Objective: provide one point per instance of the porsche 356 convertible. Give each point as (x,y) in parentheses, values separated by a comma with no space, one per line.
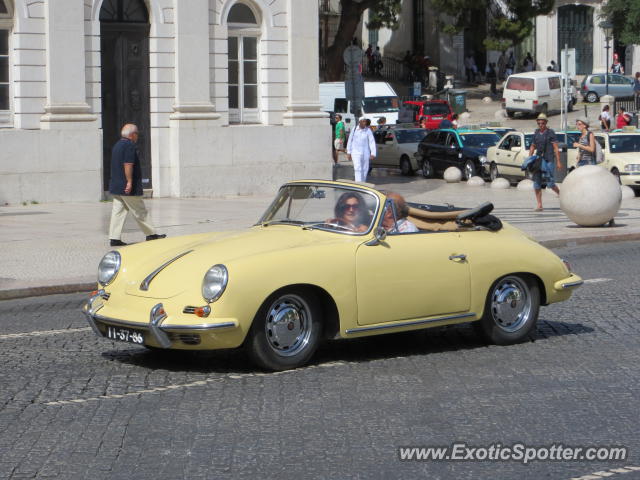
(325,261)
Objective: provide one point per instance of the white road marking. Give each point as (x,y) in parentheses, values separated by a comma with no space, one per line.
(198,383)
(607,473)
(43,333)
(598,280)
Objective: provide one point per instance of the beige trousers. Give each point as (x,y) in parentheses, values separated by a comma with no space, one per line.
(122,205)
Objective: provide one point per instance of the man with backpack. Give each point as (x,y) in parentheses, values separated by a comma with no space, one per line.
(545,145)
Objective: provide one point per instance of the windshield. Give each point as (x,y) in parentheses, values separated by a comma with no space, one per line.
(380,104)
(323,207)
(519,83)
(624,143)
(436,109)
(410,136)
(483,140)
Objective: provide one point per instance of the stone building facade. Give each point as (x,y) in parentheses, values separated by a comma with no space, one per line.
(225,93)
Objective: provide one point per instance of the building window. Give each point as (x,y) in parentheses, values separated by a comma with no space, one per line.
(418,26)
(5,87)
(243,65)
(124,11)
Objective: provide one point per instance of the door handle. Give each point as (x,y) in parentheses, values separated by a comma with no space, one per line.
(461,257)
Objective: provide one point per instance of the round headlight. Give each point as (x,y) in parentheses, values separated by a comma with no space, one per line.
(108,268)
(214,282)
(482,159)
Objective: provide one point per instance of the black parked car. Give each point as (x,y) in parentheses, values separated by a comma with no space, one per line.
(465,149)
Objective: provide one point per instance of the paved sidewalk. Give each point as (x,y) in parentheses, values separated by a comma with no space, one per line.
(55,248)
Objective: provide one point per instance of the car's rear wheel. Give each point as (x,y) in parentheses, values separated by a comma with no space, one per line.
(286,331)
(405,166)
(544,109)
(427,168)
(510,113)
(591,97)
(493,171)
(511,310)
(469,169)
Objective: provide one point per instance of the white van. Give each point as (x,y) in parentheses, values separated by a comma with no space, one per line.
(532,92)
(380,100)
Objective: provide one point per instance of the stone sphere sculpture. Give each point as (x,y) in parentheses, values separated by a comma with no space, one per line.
(590,196)
(525,185)
(500,114)
(486,99)
(500,183)
(452,175)
(465,115)
(627,192)
(475,182)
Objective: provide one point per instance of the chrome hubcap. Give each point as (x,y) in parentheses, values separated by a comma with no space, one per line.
(511,304)
(288,325)
(469,169)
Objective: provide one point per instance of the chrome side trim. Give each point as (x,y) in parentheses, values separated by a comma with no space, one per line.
(145,283)
(164,327)
(572,284)
(408,324)
(155,319)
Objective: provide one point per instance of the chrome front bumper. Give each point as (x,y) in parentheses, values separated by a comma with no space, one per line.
(156,328)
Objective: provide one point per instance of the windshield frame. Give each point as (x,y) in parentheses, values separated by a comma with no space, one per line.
(273,206)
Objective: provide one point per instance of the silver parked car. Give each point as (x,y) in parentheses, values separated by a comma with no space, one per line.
(593,86)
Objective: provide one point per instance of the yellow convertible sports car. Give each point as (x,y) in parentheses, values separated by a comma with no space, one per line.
(327,260)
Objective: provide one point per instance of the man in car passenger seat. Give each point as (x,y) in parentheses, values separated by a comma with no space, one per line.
(401,225)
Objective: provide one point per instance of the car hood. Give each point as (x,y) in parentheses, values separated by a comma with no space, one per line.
(176,265)
(474,151)
(627,157)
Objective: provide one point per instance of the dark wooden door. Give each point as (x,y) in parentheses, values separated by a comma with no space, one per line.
(125,90)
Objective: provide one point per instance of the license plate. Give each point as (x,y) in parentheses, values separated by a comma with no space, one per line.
(437,118)
(518,100)
(121,334)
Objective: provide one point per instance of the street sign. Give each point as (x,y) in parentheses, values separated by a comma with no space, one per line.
(352,55)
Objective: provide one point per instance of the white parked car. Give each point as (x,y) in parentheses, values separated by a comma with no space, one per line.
(535,92)
(397,147)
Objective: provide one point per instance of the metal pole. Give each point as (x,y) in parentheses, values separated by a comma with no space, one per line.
(606,67)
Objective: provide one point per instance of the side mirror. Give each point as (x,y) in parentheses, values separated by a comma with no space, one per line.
(380,235)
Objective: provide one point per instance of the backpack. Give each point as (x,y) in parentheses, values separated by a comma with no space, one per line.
(599,154)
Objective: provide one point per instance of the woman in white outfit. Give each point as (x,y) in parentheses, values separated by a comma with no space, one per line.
(361,148)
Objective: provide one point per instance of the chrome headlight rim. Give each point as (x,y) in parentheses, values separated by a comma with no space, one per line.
(115,266)
(482,159)
(632,167)
(223,279)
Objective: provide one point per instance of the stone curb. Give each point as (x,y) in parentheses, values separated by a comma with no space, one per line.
(12,294)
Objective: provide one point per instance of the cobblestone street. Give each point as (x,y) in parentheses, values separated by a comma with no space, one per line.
(73,406)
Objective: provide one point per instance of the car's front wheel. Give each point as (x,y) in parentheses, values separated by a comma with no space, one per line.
(427,168)
(405,166)
(616,173)
(286,331)
(511,310)
(469,169)
(493,171)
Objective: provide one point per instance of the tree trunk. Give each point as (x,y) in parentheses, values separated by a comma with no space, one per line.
(349,21)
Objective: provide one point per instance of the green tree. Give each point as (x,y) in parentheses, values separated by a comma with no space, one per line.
(384,13)
(625,17)
(507,26)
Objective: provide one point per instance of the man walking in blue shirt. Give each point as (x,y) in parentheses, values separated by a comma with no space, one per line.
(126,187)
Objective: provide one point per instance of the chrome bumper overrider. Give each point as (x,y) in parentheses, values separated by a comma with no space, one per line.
(155,327)
(572,282)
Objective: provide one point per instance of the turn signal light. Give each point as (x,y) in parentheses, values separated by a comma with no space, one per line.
(94,293)
(202,311)
(161,311)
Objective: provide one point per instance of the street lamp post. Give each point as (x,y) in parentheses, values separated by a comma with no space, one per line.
(607,28)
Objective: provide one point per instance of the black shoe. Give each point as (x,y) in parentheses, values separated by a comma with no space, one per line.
(117,243)
(155,236)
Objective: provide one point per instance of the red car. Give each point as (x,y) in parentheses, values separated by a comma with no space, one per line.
(430,112)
